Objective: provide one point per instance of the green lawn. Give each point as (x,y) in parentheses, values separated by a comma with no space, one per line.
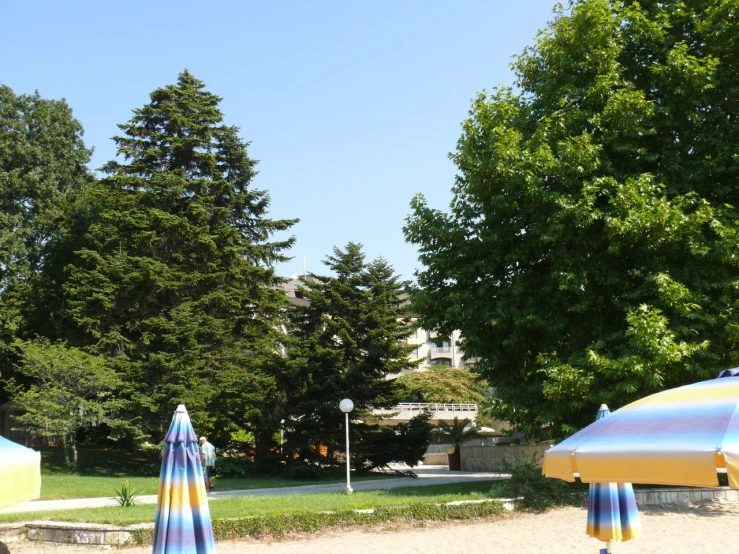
(101,471)
(270,505)
(56,486)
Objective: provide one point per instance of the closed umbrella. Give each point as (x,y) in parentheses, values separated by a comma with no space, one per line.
(680,436)
(612,512)
(733,372)
(182,524)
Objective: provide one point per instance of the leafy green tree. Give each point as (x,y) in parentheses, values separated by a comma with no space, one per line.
(69,391)
(42,169)
(344,344)
(173,278)
(443,384)
(452,386)
(590,251)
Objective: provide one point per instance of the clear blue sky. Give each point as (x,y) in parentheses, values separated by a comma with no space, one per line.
(350,106)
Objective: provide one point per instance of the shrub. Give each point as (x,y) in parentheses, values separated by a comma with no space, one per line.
(280,525)
(303,471)
(126,495)
(539,492)
(456,433)
(234,468)
(404,443)
(149,470)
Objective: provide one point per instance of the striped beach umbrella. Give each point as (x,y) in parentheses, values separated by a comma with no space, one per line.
(733,372)
(20,468)
(680,436)
(612,512)
(182,524)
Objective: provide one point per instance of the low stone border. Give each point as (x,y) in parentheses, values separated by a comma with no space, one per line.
(509,504)
(662,497)
(11,532)
(81,533)
(97,534)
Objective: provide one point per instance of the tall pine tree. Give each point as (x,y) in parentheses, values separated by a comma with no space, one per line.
(174,281)
(345,343)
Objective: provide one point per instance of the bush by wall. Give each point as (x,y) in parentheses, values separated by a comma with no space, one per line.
(539,492)
(282,525)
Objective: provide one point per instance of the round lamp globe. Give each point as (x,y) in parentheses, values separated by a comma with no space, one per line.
(346,405)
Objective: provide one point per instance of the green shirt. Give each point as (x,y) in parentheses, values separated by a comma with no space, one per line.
(210,454)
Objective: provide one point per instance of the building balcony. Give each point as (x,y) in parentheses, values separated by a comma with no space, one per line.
(440,352)
(439,412)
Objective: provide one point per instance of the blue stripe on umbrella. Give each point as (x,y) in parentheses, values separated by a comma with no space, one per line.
(182,524)
(612,511)
(733,372)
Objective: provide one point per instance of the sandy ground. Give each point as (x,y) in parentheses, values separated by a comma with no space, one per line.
(687,530)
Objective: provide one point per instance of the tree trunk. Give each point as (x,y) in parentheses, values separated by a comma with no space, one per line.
(263,455)
(455,461)
(65,449)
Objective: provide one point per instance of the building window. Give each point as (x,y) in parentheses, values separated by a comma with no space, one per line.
(440,362)
(441,347)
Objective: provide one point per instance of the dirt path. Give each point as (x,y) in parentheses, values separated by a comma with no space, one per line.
(690,530)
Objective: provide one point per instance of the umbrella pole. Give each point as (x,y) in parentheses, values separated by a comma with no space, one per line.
(609,547)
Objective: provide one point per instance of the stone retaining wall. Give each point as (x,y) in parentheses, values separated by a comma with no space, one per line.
(10,532)
(485,455)
(90,533)
(81,533)
(662,497)
(112,535)
(435,459)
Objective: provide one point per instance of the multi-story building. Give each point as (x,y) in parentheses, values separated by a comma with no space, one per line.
(430,349)
(433,350)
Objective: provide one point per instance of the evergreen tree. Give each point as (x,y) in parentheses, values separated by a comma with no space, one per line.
(344,344)
(173,282)
(590,251)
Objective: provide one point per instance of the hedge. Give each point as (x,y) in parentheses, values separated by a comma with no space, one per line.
(281,525)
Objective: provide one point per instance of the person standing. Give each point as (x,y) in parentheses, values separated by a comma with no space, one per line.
(208,457)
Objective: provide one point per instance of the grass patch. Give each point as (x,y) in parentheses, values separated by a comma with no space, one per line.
(280,526)
(101,471)
(302,507)
(64,486)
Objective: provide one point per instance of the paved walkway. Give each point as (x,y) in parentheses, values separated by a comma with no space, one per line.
(427,475)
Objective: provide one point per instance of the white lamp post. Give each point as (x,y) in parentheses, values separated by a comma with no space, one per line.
(282,434)
(347,406)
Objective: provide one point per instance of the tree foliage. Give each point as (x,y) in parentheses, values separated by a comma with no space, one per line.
(590,251)
(442,384)
(171,278)
(404,443)
(457,433)
(344,344)
(69,391)
(42,169)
